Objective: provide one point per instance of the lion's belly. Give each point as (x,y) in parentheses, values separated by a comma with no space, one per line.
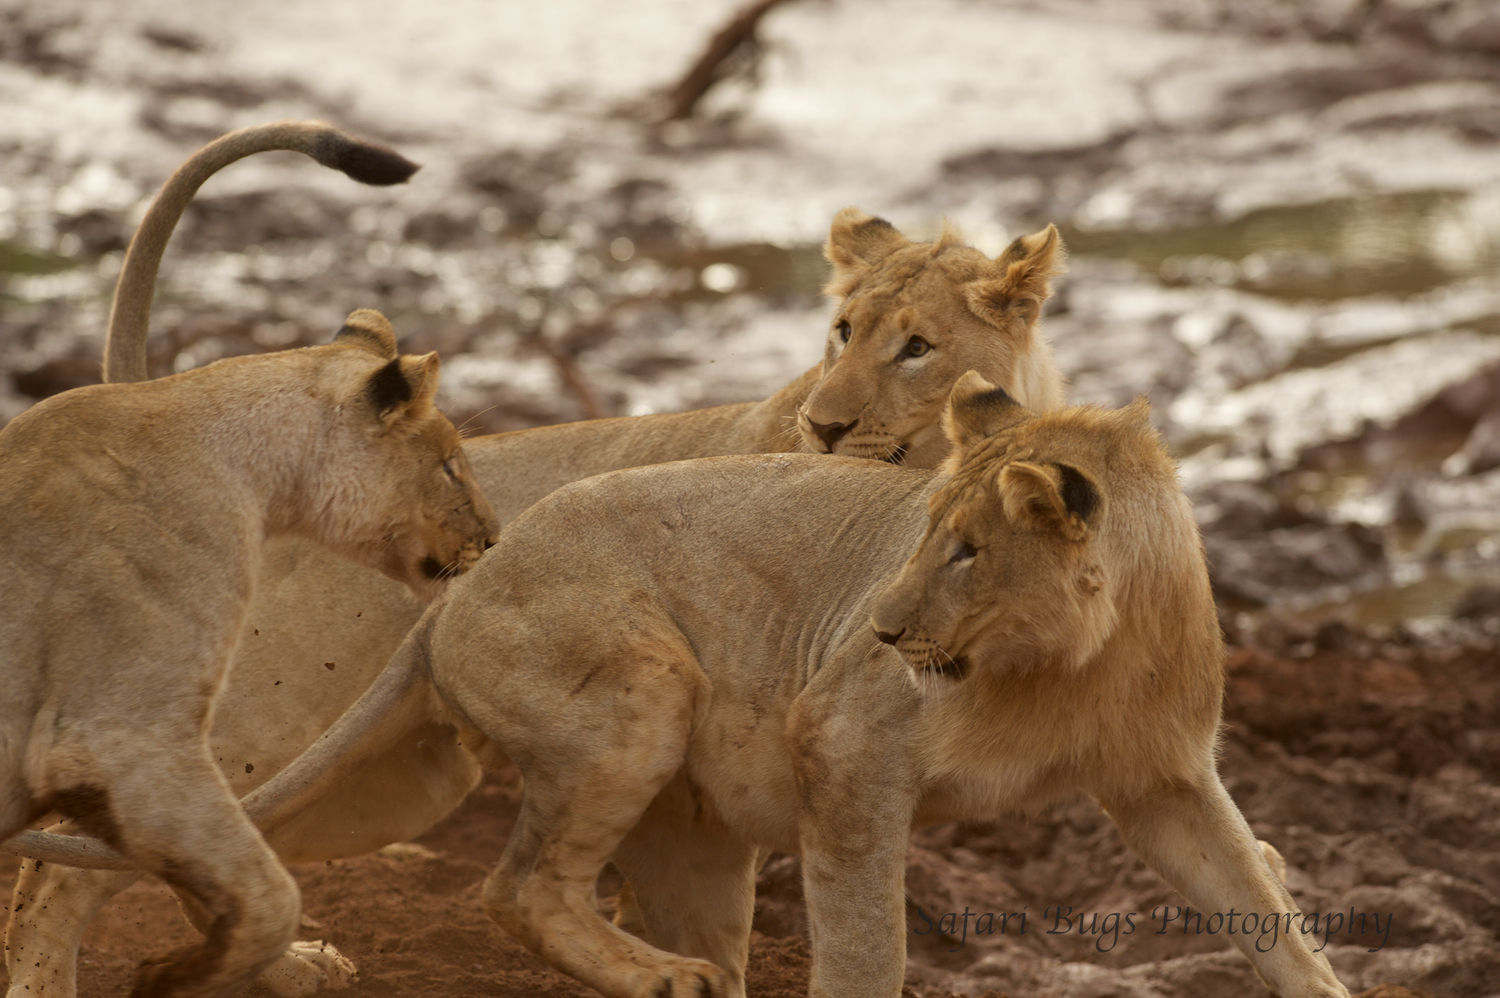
(739,763)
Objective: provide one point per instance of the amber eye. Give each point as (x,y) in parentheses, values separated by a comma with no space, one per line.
(964,553)
(843,330)
(916,346)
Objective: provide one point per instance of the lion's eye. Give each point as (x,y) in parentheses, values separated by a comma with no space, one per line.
(449,470)
(964,553)
(844,330)
(916,346)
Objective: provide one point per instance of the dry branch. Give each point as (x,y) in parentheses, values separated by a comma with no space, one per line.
(567,369)
(708,70)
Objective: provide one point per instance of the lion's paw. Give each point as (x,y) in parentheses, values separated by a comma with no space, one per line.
(307,968)
(698,979)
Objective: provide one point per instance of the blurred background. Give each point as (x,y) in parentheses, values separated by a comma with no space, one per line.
(1284,220)
(1284,226)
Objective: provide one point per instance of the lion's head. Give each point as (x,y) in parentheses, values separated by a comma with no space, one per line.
(913,317)
(418,515)
(1075,518)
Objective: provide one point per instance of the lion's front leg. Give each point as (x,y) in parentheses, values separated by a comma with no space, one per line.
(854,813)
(1195,837)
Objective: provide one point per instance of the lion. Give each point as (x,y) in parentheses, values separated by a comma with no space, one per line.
(132,519)
(909,318)
(685,674)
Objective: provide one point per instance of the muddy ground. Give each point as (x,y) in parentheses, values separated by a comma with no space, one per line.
(1370,761)
(1285,226)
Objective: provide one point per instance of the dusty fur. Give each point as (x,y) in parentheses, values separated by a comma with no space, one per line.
(132,521)
(686,675)
(310,608)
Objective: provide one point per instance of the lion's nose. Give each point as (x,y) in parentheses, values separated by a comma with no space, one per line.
(830,433)
(889,638)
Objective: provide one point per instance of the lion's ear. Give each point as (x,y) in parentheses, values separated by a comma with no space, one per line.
(856,244)
(1057,497)
(405,385)
(1138,414)
(1023,282)
(368,330)
(977,409)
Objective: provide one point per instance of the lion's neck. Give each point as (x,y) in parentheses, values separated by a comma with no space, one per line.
(260,440)
(770,426)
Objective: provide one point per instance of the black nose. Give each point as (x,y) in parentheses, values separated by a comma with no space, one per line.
(890,639)
(830,433)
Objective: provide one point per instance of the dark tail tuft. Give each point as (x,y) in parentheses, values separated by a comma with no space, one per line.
(367,162)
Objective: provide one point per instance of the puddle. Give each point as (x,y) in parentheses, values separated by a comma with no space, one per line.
(777,272)
(1433,598)
(1396,244)
(1389,244)
(25,261)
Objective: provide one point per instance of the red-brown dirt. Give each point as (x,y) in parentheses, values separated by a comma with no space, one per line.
(1371,763)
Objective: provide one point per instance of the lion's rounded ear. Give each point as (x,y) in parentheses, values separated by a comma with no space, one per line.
(1022,281)
(1057,497)
(857,242)
(405,385)
(977,409)
(368,330)
(1137,414)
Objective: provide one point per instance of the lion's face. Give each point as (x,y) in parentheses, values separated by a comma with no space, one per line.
(912,318)
(422,518)
(447,528)
(1027,513)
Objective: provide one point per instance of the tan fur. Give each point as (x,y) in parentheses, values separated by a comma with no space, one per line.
(684,674)
(311,608)
(132,519)
(957,308)
(367,162)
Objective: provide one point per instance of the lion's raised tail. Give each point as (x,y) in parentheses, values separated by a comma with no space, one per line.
(401,698)
(130,316)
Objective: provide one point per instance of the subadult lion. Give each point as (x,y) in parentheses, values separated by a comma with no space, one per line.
(132,519)
(910,318)
(34,957)
(684,673)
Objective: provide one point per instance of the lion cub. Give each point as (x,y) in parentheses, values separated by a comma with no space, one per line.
(132,519)
(685,673)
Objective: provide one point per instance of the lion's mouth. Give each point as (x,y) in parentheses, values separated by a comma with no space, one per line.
(895,455)
(433,569)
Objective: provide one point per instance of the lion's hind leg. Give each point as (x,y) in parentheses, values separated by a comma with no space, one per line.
(305,968)
(593,756)
(166,807)
(52,906)
(692,881)
(1195,837)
